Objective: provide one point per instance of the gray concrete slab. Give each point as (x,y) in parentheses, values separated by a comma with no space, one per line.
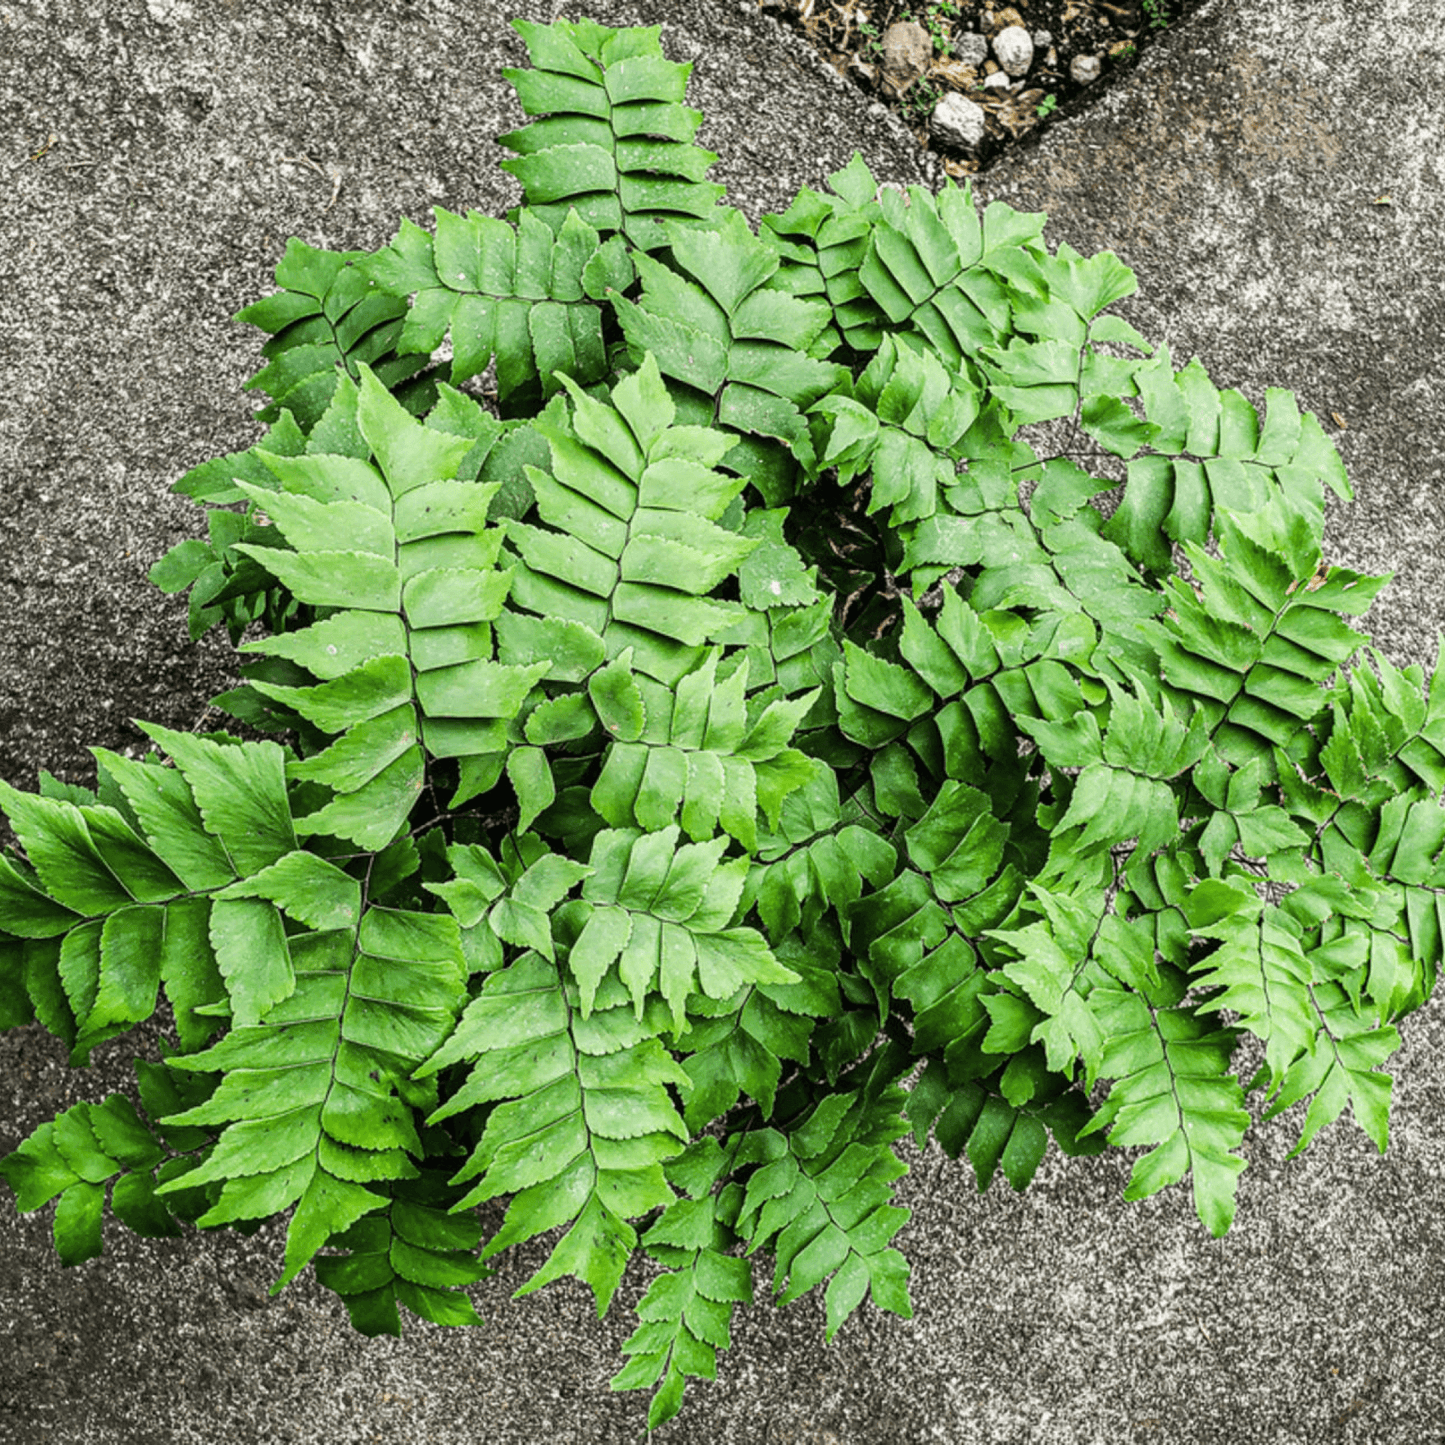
(1237,174)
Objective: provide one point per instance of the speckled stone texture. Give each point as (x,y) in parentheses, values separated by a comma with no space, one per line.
(1237,172)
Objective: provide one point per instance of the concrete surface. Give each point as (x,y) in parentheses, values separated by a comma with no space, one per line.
(1236,173)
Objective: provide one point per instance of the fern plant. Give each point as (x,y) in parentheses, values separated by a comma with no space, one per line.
(840,682)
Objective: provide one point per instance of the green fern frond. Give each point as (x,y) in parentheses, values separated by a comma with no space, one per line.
(986,671)
(964,879)
(687,1310)
(615,142)
(332,1003)
(412,1252)
(586,1122)
(903,421)
(663,914)
(937,269)
(112,906)
(523,295)
(822,1199)
(738,348)
(822,240)
(737,1045)
(1209,453)
(818,857)
(507,899)
(1251,646)
(632,557)
(1001,1121)
(699,751)
(1172,1091)
(1406,950)
(91,1155)
(316,1098)
(1342,1070)
(327,321)
(1076,946)
(1124,793)
(1053,369)
(1385,736)
(631,549)
(1261,970)
(226,584)
(788,633)
(1379,920)
(400,557)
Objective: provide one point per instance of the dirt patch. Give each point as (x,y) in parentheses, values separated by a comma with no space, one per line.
(1023,65)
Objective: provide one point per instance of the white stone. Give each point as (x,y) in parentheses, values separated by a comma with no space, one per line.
(997,81)
(1085,69)
(970,48)
(958,122)
(1042,39)
(1014,49)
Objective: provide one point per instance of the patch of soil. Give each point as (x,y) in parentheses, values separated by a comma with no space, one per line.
(912,54)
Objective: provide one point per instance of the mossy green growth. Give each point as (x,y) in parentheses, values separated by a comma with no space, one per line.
(762,694)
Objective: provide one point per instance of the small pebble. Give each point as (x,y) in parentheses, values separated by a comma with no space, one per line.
(970,48)
(907,50)
(1014,49)
(1085,69)
(998,81)
(958,122)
